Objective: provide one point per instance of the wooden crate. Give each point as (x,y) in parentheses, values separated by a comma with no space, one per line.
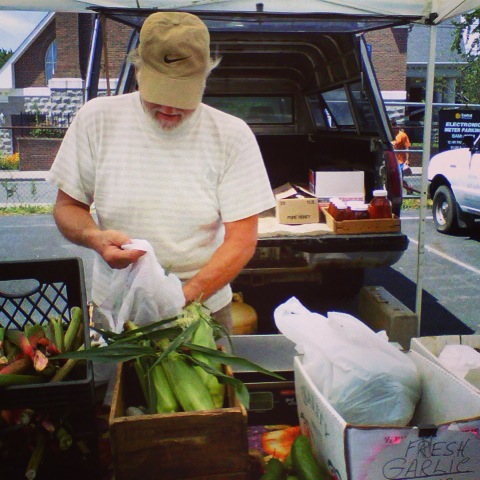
(202,445)
(380,225)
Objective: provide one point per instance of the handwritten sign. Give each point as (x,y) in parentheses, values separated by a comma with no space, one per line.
(451,455)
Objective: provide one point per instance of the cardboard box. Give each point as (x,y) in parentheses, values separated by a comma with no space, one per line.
(295,205)
(431,347)
(443,441)
(209,444)
(349,227)
(344,185)
(380,310)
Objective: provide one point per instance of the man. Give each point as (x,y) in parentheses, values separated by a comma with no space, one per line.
(161,166)
(402,143)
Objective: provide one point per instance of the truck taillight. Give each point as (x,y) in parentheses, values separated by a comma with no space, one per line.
(393,181)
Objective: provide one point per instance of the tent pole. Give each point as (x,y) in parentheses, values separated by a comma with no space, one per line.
(427,136)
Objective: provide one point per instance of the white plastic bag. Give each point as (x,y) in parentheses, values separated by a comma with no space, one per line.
(142,292)
(366,379)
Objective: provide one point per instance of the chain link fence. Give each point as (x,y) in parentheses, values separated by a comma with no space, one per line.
(25,188)
(37,191)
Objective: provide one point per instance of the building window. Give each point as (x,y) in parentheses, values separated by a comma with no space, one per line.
(50,61)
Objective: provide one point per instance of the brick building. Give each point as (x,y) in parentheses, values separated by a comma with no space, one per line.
(388,49)
(47,75)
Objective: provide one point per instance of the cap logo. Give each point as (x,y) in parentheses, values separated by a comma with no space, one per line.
(174,48)
(167,59)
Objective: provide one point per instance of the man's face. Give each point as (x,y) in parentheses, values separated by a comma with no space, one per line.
(167,118)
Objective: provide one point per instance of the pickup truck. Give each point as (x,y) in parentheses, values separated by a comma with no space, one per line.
(307,88)
(454,186)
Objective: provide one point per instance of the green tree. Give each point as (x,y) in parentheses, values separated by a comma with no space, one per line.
(466,42)
(4,56)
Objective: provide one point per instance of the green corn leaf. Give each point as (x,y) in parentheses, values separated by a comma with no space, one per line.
(239,387)
(154,336)
(110,353)
(153,331)
(146,328)
(232,360)
(150,392)
(177,342)
(107,334)
(157,335)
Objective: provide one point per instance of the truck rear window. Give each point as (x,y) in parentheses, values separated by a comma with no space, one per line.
(343,108)
(255,109)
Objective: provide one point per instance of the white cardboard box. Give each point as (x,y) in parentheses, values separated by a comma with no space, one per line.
(295,205)
(344,185)
(443,442)
(431,347)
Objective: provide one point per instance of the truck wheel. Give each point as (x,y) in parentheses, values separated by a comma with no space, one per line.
(445,210)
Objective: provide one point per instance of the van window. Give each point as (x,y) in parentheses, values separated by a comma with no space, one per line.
(320,114)
(255,109)
(337,103)
(333,109)
(363,108)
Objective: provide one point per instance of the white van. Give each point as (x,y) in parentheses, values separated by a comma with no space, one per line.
(454,186)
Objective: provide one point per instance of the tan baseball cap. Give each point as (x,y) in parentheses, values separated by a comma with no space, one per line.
(175,52)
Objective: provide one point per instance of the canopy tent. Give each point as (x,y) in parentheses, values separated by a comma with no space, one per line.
(435,11)
(429,12)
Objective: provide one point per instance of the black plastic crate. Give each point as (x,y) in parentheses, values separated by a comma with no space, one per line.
(30,292)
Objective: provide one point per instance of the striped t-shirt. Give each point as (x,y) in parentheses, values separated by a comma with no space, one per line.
(174,188)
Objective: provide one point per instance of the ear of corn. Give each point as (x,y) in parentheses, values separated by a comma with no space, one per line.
(158,396)
(2,337)
(35,333)
(190,391)
(37,454)
(57,332)
(203,336)
(72,329)
(166,402)
(9,379)
(18,367)
(20,340)
(3,355)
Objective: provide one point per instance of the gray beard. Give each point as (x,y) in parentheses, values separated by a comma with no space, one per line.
(162,125)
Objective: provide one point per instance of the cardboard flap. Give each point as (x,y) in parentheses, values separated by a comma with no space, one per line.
(435,344)
(445,398)
(291,191)
(324,426)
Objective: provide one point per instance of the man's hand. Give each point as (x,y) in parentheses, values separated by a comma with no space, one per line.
(108,244)
(73,219)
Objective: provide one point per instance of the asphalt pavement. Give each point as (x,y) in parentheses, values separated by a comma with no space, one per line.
(450,272)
